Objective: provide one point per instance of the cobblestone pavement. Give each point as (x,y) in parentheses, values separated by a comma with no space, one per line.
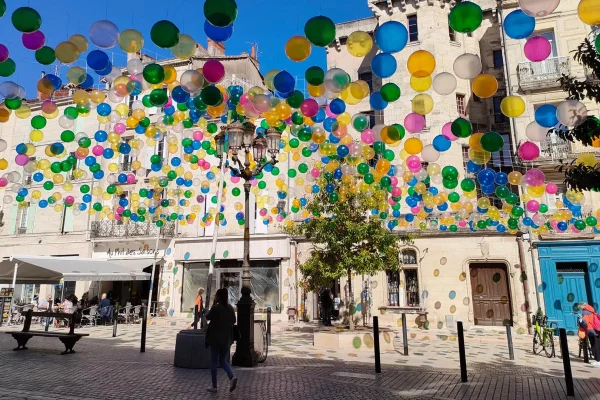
(113,368)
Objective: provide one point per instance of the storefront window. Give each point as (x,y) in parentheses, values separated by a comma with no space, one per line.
(412,287)
(265,285)
(195,275)
(393,281)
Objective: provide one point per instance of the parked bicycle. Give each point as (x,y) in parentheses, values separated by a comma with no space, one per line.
(543,337)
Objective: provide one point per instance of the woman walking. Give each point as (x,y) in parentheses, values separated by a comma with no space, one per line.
(219,337)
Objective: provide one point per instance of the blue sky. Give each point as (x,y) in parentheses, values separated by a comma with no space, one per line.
(267,22)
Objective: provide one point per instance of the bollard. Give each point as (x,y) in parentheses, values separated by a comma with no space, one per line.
(564,352)
(47,324)
(404,334)
(269,311)
(115,320)
(511,351)
(584,343)
(144,323)
(376,345)
(461,352)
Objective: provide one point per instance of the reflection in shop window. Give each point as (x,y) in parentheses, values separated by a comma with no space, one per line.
(393,281)
(412,287)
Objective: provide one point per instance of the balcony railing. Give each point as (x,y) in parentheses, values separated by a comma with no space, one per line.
(115,229)
(543,74)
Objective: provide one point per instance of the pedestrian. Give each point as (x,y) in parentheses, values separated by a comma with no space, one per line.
(219,337)
(586,329)
(198,308)
(326,304)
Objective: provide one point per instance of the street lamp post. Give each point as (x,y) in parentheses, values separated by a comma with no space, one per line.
(242,137)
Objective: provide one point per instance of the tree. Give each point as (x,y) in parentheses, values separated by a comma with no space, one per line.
(581,176)
(345,240)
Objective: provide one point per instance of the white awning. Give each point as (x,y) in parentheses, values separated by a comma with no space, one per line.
(44,269)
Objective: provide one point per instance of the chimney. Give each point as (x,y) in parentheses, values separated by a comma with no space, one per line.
(253,52)
(215,48)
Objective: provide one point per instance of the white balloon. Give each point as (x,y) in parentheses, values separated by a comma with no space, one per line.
(7,199)
(437,179)
(429,154)
(66,122)
(467,66)
(191,81)
(30,167)
(114,117)
(9,90)
(3,144)
(571,112)
(336,80)
(114,74)
(16,187)
(14,177)
(535,132)
(114,97)
(137,105)
(135,66)
(444,83)
(538,8)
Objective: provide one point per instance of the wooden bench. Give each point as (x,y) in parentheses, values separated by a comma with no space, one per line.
(68,339)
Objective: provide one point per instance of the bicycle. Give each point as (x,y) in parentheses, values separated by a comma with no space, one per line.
(584,344)
(261,343)
(543,336)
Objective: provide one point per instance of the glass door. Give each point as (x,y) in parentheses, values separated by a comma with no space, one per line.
(231,279)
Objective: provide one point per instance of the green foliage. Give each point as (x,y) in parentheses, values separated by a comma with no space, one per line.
(345,239)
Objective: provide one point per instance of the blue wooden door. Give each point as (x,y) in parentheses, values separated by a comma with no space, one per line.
(572,291)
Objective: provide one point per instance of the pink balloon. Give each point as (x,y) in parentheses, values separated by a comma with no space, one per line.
(528,151)
(329,113)
(21,159)
(3,182)
(414,123)
(120,128)
(235,179)
(120,210)
(169,102)
(462,223)
(244,99)
(118,217)
(533,206)
(415,209)
(394,181)
(535,177)
(413,163)
(392,202)
(34,40)
(551,188)
(213,71)
(263,212)
(3,53)
(447,131)
(537,49)
(97,150)
(315,172)
(396,192)
(309,108)
(69,200)
(575,230)
(198,135)
(130,178)
(367,136)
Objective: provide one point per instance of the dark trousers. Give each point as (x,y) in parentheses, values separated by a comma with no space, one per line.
(595,342)
(197,317)
(218,357)
(326,315)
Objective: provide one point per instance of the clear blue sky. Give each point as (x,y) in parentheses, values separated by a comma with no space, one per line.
(267,22)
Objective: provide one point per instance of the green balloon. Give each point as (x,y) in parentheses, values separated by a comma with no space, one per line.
(543,208)
(320,31)
(465,17)
(597,43)
(155,159)
(158,97)
(390,92)
(450,183)
(396,132)
(146,101)
(453,197)
(84,189)
(580,224)
(360,122)
(7,68)
(306,152)
(71,112)
(363,168)
(199,104)
(292,173)
(492,142)
(315,75)
(502,191)
(48,185)
(369,178)
(591,221)
(220,13)
(111,189)
(67,136)
(297,118)
(13,103)
(95,167)
(305,134)
(55,167)
(154,73)
(2,7)
(65,166)
(295,100)
(38,122)
(26,19)
(303,168)
(164,34)
(388,155)
(450,172)
(379,147)
(461,127)
(467,185)
(211,96)
(512,199)
(45,55)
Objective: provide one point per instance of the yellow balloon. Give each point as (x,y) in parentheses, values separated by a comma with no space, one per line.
(344,118)
(420,84)
(359,43)
(475,141)
(36,135)
(80,42)
(122,109)
(485,85)
(23,112)
(589,12)
(170,74)
(413,146)
(586,159)
(97,96)
(316,91)
(512,106)
(422,104)
(297,48)
(66,52)
(421,63)
(515,177)
(185,48)
(479,157)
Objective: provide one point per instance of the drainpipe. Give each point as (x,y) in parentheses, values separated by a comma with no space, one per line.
(295,244)
(519,240)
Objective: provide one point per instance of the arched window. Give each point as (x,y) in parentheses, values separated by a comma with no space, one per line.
(409,257)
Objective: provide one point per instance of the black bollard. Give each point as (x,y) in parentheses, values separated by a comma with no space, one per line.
(511,351)
(115,320)
(404,334)
(269,311)
(584,343)
(461,352)
(376,343)
(564,351)
(144,323)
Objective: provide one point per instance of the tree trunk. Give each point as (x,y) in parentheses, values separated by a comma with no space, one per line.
(350,301)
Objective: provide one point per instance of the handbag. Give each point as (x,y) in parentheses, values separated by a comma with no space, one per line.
(235,333)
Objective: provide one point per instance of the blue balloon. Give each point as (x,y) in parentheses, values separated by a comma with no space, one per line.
(501,178)
(337,106)
(488,189)
(38,177)
(88,83)
(104,109)
(56,81)
(217,33)
(562,226)
(518,25)
(122,178)
(391,37)
(175,161)
(320,117)
(43,203)
(105,71)
(472,167)
(486,177)
(90,160)
(284,83)
(441,143)
(377,102)
(108,153)
(87,198)
(97,60)
(179,95)
(99,174)
(342,151)
(546,116)
(328,123)
(384,65)
(501,228)
(333,139)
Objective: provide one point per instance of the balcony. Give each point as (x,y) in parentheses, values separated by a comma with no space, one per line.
(555,149)
(543,74)
(590,75)
(116,229)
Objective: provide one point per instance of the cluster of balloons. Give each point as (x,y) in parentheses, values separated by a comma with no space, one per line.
(323,148)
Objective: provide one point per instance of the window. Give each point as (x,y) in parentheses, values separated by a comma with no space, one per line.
(28,176)
(460,104)
(470,34)
(411,283)
(476,98)
(465,155)
(551,38)
(452,33)
(23,220)
(126,159)
(413,28)
(75,166)
(503,157)
(393,281)
(498,116)
(498,59)
(366,76)
(161,148)
(409,257)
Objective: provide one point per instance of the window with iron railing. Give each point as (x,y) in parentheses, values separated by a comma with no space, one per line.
(460,104)
(413,28)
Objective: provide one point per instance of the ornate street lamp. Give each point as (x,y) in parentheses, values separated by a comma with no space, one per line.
(242,136)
